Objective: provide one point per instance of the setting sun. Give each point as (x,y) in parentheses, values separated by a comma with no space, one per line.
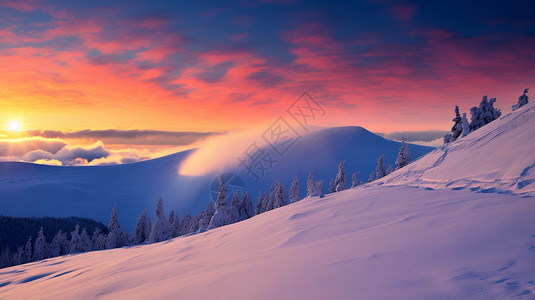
(14,126)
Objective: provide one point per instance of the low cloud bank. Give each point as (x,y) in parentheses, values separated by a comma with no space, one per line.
(58,152)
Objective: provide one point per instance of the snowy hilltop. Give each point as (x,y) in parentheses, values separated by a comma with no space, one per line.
(457,223)
(498,157)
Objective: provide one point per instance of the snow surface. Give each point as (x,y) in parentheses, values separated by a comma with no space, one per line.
(396,238)
(35,190)
(365,243)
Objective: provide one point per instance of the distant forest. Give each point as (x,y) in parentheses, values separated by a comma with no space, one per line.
(14,231)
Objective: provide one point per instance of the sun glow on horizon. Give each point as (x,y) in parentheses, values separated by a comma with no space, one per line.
(14,126)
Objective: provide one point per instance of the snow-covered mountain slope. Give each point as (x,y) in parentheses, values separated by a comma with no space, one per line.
(37,190)
(396,240)
(499,157)
(374,242)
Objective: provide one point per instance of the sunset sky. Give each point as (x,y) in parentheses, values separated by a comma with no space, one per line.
(174,72)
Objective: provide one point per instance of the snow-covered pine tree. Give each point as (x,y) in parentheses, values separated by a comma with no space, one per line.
(475,119)
(17,256)
(279,197)
(294,190)
(332,186)
(318,191)
(311,185)
(522,100)
(340,181)
(60,244)
(174,224)
(372,177)
(206,216)
(98,239)
(220,217)
(491,113)
(148,228)
(380,169)
(247,205)
(55,248)
(139,235)
(484,114)
(195,223)
(355,179)
(456,129)
(40,248)
(27,251)
(404,158)
(85,241)
(234,210)
(116,238)
(465,125)
(259,204)
(270,199)
(185,225)
(389,169)
(448,138)
(160,229)
(76,245)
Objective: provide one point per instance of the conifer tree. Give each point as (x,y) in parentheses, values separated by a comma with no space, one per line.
(279,196)
(174,224)
(484,114)
(380,169)
(319,189)
(294,190)
(85,241)
(206,216)
(139,236)
(98,239)
(372,177)
(76,245)
(247,206)
(355,179)
(28,255)
(160,229)
(456,129)
(40,248)
(311,185)
(185,225)
(404,157)
(522,100)
(332,186)
(116,237)
(259,208)
(234,211)
(221,215)
(60,244)
(465,125)
(340,181)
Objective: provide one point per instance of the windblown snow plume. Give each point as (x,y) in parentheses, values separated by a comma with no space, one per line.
(220,152)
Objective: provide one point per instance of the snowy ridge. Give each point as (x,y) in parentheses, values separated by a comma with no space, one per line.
(498,157)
